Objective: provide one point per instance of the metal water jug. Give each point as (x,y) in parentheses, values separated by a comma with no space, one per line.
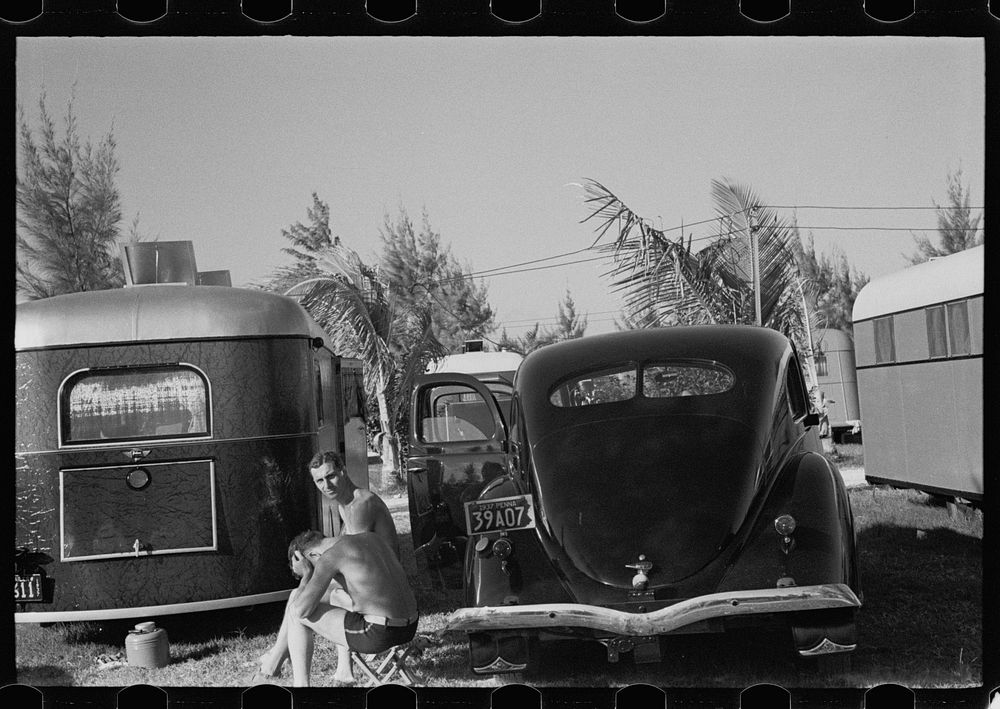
(147,646)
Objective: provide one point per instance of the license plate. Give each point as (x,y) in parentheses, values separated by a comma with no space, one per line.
(499,515)
(28,589)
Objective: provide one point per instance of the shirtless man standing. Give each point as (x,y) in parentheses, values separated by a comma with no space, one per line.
(383,613)
(361,511)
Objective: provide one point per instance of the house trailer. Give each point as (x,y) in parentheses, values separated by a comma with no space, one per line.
(162,438)
(837,377)
(918,337)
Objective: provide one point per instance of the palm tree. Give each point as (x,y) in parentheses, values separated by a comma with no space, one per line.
(367,319)
(666,281)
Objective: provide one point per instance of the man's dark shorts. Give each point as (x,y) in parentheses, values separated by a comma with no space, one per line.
(369,638)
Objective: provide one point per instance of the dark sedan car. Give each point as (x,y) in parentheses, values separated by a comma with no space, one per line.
(649,482)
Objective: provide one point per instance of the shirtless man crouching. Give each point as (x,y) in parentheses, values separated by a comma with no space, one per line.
(383,610)
(360,510)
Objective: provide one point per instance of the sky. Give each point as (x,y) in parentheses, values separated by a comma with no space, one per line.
(222,141)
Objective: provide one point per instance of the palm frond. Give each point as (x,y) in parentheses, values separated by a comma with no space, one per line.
(664,282)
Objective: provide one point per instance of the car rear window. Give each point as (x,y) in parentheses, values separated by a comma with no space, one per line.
(599,387)
(659,381)
(670,380)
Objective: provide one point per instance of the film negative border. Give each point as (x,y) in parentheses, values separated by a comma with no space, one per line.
(440,17)
(503,16)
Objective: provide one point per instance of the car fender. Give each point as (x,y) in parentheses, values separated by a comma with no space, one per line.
(527,577)
(822,551)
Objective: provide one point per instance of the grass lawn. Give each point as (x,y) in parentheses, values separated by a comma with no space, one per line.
(920,625)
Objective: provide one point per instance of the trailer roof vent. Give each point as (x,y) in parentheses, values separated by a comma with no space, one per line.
(214,278)
(473,346)
(148,262)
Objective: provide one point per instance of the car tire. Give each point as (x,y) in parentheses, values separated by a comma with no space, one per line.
(533,668)
(833,665)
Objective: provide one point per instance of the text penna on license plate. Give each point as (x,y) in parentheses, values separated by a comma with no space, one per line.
(499,514)
(28,588)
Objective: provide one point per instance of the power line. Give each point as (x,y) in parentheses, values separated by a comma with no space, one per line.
(555,318)
(886,228)
(513,269)
(818,206)
(516,268)
(539,268)
(543,321)
(528,263)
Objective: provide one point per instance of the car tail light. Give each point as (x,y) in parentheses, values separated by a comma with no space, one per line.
(502,549)
(785,525)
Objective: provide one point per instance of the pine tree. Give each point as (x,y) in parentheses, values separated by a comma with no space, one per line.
(530,341)
(958,227)
(830,284)
(68,210)
(424,272)
(307,242)
(569,325)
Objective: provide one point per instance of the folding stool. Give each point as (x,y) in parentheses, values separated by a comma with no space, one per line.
(381,667)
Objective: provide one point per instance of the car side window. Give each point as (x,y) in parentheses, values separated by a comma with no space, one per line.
(454,413)
(517,451)
(798,401)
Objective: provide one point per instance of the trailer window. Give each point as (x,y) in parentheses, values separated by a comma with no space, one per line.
(958,328)
(134,404)
(937,342)
(822,364)
(354,393)
(948,330)
(321,387)
(885,341)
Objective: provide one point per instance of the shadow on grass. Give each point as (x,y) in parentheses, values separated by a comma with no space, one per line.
(184,628)
(922,613)
(38,675)
(705,660)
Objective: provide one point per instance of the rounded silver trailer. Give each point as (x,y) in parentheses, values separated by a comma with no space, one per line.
(918,337)
(837,377)
(162,436)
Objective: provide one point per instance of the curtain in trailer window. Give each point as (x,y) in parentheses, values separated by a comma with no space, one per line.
(958,328)
(354,394)
(126,404)
(822,364)
(937,342)
(885,342)
(320,412)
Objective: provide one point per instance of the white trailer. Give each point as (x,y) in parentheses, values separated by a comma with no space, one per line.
(918,336)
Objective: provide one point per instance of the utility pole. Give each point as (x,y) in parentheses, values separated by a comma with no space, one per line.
(755,261)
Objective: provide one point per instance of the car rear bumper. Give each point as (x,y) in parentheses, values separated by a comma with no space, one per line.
(659,622)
